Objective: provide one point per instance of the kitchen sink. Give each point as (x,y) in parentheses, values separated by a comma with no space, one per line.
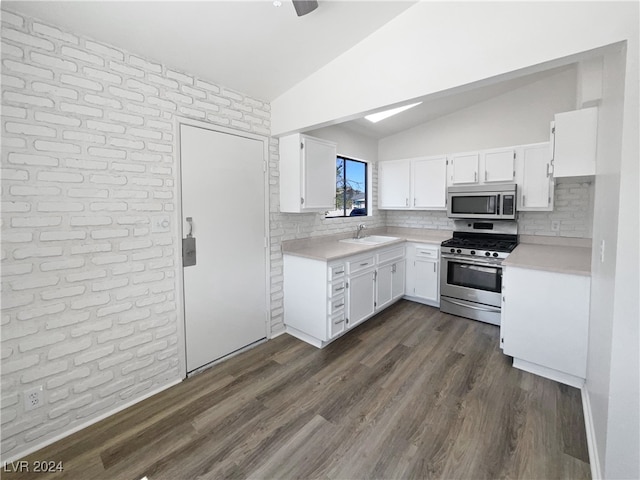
(370,240)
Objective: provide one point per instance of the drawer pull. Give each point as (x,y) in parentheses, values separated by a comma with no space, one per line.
(340,272)
(338,306)
(363,264)
(339,289)
(337,322)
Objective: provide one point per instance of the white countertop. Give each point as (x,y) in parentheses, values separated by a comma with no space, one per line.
(331,248)
(571,259)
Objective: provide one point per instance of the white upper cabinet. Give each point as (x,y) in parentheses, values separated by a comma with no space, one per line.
(413,184)
(573,140)
(394,184)
(463,168)
(307,174)
(498,165)
(429,183)
(535,183)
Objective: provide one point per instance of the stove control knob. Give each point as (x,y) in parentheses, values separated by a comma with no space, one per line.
(473,252)
(453,250)
(495,254)
(458,251)
(487,254)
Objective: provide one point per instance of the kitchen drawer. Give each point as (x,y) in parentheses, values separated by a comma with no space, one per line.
(396,253)
(337,288)
(336,304)
(337,324)
(336,271)
(427,252)
(361,263)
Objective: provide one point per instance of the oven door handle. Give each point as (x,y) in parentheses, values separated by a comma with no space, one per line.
(495,263)
(466,305)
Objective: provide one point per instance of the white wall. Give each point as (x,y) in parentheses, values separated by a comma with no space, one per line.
(517,117)
(613,368)
(436,46)
(89,299)
(350,144)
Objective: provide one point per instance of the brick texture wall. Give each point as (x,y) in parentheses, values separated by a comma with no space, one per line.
(89,299)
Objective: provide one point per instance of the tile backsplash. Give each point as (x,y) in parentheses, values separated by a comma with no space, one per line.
(573,210)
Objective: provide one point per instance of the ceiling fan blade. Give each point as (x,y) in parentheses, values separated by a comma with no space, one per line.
(304,6)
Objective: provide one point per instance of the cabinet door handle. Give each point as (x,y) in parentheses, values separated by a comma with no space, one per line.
(301,201)
(485,175)
(406,202)
(414,201)
(548,173)
(523,202)
(475,176)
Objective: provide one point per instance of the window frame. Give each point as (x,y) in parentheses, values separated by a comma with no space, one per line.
(367,182)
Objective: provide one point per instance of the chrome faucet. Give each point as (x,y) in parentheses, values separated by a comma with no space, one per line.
(360,227)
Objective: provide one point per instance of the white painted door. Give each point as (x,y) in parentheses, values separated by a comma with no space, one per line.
(223,190)
(430,183)
(319,174)
(394,184)
(536,183)
(398,280)
(464,168)
(499,165)
(361,297)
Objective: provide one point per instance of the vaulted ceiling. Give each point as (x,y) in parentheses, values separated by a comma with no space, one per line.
(250,46)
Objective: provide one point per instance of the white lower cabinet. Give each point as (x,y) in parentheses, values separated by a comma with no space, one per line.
(545,323)
(423,273)
(390,277)
(322,300)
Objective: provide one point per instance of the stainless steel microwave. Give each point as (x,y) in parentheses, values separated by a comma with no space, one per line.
(491,202)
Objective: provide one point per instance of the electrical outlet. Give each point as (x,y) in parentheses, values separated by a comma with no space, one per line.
(33,398)
(555,225)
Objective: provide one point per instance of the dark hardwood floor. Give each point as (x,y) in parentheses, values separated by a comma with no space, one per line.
(412,393)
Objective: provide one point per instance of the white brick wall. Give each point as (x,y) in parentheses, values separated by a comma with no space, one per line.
(88,292)
(573,208)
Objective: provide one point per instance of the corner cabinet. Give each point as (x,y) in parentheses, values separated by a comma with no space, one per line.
(573,141)
(323,300)
(545,323)
(534,178)
(307,174)
(412,184)
(423,273)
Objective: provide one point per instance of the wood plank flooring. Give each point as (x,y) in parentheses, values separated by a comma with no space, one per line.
(411,393)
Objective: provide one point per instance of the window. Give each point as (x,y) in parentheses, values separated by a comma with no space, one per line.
(351,188)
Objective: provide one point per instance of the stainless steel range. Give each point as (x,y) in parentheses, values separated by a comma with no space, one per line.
(471,270)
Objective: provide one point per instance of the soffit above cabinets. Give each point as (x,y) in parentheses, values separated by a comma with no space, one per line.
(249,46)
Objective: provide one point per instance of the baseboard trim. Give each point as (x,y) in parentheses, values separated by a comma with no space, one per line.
(594,460)
(88,423)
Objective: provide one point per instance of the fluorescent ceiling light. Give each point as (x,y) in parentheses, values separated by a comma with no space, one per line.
(376,117)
